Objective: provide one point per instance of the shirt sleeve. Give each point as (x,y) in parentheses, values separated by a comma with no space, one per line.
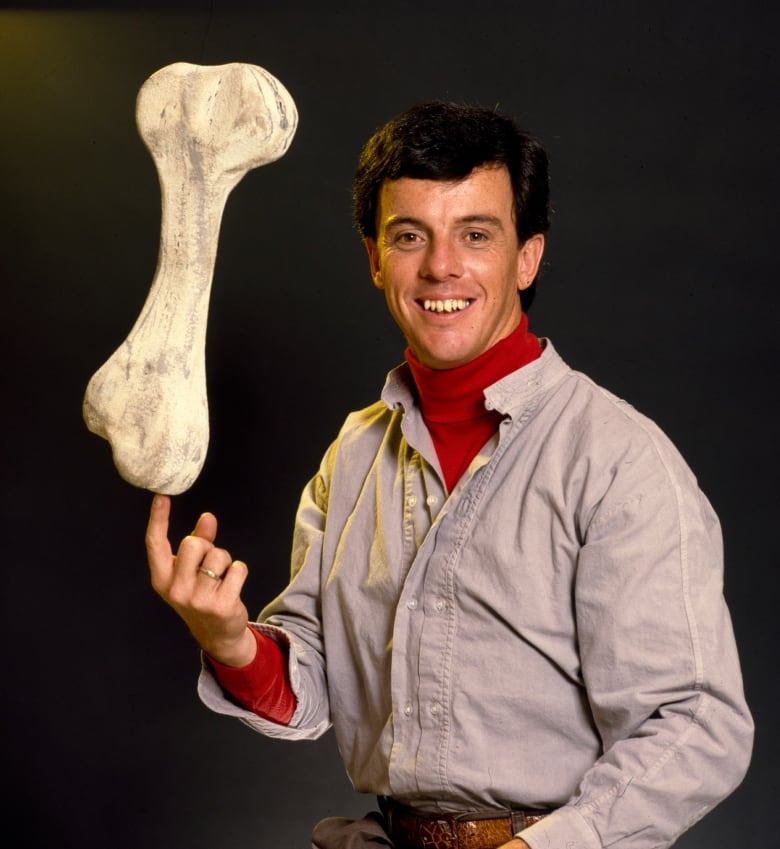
(659,664)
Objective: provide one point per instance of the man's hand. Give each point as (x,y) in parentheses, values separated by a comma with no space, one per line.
(202,584)
(515,843)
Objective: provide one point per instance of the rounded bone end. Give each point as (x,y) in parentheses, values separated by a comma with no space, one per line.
(168,467)
(163,474)
(159,434)
(238,116)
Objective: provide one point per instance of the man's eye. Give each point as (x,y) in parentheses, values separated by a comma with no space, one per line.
(407,238)
(476,236)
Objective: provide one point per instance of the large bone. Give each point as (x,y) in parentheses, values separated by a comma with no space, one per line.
(205,127)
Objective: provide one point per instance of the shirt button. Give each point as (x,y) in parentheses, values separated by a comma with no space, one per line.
(431,500)
(408,709)
(439,605)
(435,709)
(412,604)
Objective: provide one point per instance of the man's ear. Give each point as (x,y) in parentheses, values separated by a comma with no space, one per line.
(373,261)
(529,259)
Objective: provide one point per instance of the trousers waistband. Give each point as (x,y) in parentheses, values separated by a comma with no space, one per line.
(412,829)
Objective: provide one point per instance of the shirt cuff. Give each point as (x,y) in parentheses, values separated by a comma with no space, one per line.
(562,829)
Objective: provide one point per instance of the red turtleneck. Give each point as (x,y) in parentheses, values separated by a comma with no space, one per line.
(453,400)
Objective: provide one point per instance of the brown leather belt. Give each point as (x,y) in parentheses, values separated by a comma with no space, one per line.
(411,829)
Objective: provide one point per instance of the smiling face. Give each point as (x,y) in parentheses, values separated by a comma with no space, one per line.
(448,259)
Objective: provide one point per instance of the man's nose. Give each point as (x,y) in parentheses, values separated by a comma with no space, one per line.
(441,260)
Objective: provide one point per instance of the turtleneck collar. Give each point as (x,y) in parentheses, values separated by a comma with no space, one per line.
(457,394)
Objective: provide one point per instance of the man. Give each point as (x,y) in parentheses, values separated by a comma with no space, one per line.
(506,585)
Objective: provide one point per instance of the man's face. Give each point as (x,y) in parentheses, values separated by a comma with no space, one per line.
(449,261)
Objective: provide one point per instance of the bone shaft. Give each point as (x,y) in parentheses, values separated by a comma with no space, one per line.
(185,268)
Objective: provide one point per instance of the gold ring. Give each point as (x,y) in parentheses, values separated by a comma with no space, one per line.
(213,575)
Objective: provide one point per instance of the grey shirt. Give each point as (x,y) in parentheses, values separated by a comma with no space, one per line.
(551,634)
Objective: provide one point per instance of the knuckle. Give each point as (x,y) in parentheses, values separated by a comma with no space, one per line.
(188,544)
(177,596)
(194,545)
(217,562)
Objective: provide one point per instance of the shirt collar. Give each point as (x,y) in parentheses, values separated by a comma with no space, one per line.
(509,396)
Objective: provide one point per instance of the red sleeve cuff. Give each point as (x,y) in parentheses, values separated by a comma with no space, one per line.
(262,686)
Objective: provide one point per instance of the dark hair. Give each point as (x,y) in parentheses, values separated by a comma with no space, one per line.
(447,141)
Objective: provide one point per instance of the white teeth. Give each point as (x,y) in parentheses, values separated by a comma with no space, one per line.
(450,305)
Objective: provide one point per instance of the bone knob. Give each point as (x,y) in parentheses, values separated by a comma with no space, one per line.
(205,127)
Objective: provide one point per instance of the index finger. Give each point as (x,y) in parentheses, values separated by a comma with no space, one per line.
(157,543)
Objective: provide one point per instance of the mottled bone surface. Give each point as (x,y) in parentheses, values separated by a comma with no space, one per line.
(205,127)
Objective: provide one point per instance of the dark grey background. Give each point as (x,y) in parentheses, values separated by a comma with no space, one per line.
(660,281)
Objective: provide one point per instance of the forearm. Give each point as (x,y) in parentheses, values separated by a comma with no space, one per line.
(660,663)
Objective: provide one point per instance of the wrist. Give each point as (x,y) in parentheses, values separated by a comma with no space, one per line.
(236,653)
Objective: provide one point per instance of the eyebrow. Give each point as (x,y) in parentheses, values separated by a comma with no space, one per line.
(482,219)
(403,221)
